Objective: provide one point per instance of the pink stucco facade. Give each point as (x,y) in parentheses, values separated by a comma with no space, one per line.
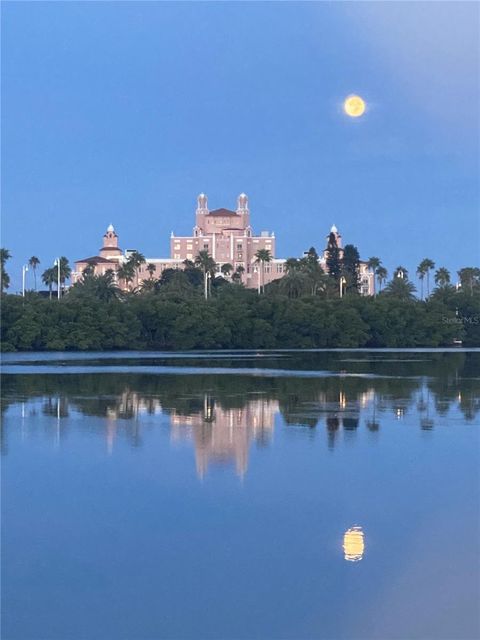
(226,234)
(228,237)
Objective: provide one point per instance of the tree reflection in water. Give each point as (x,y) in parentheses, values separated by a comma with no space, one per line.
(223,415)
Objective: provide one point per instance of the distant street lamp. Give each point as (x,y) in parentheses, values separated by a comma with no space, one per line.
(24,271)
(343,282)
(208,277)
(57,264)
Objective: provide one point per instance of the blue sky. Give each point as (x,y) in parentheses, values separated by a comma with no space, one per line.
(124,112)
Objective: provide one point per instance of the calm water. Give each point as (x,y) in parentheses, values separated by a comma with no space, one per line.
(285,495)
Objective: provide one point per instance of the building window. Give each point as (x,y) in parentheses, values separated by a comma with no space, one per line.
(205,246)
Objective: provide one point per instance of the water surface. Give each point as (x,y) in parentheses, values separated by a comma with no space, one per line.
(289,495)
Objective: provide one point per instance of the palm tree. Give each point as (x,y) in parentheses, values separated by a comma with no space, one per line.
(261,257)
(469,278)
(226,269)
(49,277)
(429,265)
(126,272)
(149,285)
(382,275)
(105,287)
(291,264)
(88,272)
(240,270)
(207,264)
(401,272)
(5,278)
(65,272)
(137,259)
(310,267)
(294,283)
(424,268)
(421,273)
(151,268)
(373,264)
(34,262)
(400,288)
(442,277)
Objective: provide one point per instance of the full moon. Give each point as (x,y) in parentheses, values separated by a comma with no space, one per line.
(354,106)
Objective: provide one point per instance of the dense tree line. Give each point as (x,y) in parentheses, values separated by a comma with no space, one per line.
(175,315)
(200,308)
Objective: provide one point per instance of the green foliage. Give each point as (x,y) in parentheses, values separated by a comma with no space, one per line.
(5,255)
(442,277)
(399,288)
(351,267)
(470,279)
(334,263)
(33,263)
(49,278)
(300,310)
(262,257)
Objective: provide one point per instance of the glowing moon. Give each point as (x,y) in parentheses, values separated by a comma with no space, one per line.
(354,106)
(353,544)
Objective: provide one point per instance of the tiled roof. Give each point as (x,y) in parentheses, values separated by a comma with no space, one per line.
(222,212)
(95,260)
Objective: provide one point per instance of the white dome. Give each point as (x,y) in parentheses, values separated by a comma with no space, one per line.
(242,201)
(333,229)
(110,228)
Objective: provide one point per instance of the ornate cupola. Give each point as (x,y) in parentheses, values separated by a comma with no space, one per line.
(243,210)
(202,203)
(110,248)
(337,236)
(242,203)
(201,212)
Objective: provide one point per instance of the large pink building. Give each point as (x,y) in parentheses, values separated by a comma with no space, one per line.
(225,234)
(229,238)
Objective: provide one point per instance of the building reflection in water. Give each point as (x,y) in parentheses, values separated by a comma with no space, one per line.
(223,424)
(353,544)
(224,435)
